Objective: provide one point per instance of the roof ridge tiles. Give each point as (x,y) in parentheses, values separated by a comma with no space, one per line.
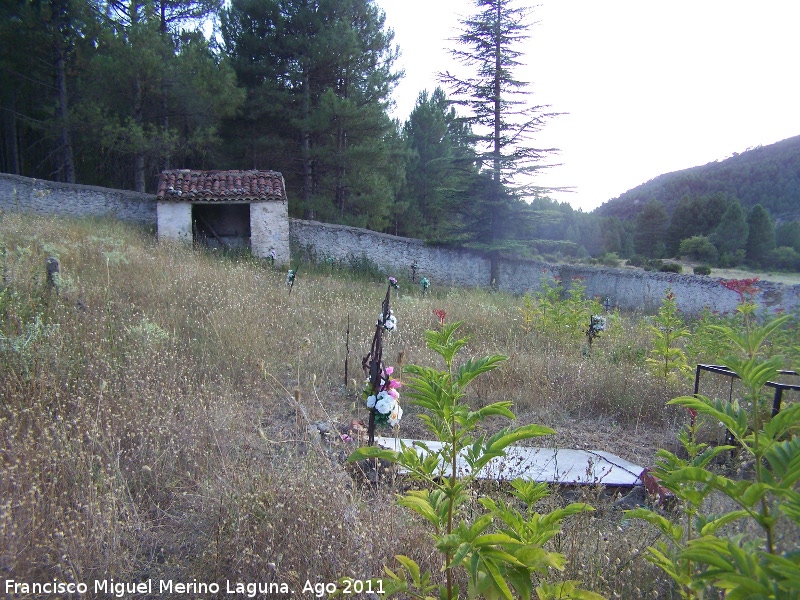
(220,185)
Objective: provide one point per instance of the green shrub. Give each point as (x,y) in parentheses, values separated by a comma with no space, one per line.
(496,561)
(653,264)
(702,270)
(698,247)
(637,260)
(785,258)
(670,268)
(667,360)
(701,551)
(609,259)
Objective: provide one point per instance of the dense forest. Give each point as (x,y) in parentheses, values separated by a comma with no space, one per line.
(744,209)
(111,92)
(766,175)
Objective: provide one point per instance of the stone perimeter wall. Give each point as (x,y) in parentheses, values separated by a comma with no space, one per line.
(627,289)
(47,198)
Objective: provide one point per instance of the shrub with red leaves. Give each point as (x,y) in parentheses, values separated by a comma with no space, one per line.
(746,288)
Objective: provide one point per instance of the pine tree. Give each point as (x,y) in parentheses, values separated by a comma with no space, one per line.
(39,47)
(730,235)
(695,216)
(651,227)
(438,170)
(154,92)
(613,235)
(787,234)
(760,236)
(502,122)
(319,76)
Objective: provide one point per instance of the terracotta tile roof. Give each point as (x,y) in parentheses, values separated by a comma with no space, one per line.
(221,186)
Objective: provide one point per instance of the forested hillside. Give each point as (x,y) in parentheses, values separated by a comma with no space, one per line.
(766,175)
(111,92)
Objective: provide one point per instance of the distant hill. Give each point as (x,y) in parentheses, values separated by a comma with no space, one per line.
(769,175)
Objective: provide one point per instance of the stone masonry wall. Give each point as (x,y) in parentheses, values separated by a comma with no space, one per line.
(396,255)
(630,289)
(47,197)
(269,231)
(175,221)
(626,288)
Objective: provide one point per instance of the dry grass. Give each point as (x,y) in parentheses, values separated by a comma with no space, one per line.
(157,425)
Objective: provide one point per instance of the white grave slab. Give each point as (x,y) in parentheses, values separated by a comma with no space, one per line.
(550,465)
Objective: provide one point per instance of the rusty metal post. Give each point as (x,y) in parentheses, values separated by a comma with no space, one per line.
(372,363)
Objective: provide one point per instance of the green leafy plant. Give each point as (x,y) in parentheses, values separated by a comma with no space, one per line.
(705,345)
(667,360)
(528,312)
(701,553)
(559,313)
(501,549)
(670,268)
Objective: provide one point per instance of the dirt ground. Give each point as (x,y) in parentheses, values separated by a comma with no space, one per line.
(637,445)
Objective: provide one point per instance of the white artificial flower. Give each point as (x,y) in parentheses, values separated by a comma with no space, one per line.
(385,403)
(397,414)
(391,321)
(370,401)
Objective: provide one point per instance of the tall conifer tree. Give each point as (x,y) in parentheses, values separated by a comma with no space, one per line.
(502,124)
(496,106)
(651,227)
(39,42)
(319,75)
(760,236)
(439,168)
(730,235)
(163,94)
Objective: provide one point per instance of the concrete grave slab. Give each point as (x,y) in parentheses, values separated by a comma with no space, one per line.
(549,465)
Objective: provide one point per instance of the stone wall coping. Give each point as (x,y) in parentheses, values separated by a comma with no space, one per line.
(78,187)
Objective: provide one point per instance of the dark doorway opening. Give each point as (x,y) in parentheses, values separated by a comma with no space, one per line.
(221,225)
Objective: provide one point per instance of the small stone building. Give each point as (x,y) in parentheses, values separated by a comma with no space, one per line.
(226,209)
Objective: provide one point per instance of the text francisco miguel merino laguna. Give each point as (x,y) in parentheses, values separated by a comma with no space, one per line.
(121,589)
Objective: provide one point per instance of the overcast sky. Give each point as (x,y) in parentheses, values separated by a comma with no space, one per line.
(649,86)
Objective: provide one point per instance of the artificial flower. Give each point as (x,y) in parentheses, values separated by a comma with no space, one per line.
(390,323)
(385,401)
(395,416)
(599,323)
